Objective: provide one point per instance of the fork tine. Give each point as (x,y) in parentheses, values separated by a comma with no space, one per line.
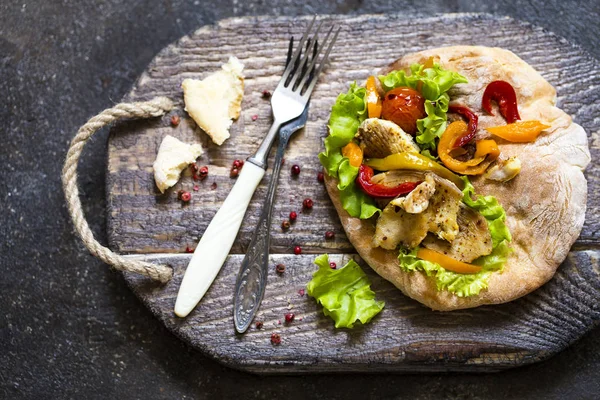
(313,82)
(290,66)
(298,73)
(314,61)
(290,50)
(296,65)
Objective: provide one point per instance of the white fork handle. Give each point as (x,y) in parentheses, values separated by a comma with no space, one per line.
(210,254)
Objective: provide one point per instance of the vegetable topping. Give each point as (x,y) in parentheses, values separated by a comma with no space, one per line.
(377,191)
(519,132)
(404,106)
(446,262)
(413,161)
(504,94)
(473,120)
(373,100)
(486,151)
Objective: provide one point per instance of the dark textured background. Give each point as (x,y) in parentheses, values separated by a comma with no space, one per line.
(69,327)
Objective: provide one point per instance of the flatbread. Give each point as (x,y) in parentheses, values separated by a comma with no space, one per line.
(545,204)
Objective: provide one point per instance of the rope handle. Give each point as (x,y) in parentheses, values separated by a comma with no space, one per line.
(153,108)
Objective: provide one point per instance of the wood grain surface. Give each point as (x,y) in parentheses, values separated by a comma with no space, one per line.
(406,336)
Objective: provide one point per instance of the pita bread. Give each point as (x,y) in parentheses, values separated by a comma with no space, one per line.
(545,204)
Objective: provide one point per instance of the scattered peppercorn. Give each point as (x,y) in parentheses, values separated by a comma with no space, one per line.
(329,235)
(301,292)
(184,196)
(188,249)
(320,177)
(289,317)
(237,164)
(307,203)
(194,168)
(213,186)
(297,250)
(254,117)
(285,225)
(266,94)
(293,216)
(275,339)
(332,265)
(259,324)
(234,173)
(196,188)
(175,120)
(295,169)
(203,172)
(280,268)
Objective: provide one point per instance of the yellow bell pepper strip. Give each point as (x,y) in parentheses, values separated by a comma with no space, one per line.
(354,154)
(374,102)
(446,262)
(486,151)
(519,132)
(486,147)
(379,191)
(413,161)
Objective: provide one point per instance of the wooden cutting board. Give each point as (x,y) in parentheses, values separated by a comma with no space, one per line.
(406,336)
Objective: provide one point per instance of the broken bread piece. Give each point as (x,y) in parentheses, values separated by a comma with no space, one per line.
(173,156)
(216,100)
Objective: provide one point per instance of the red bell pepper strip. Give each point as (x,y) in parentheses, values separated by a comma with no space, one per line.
(472,127)
(378,191)
(504,94)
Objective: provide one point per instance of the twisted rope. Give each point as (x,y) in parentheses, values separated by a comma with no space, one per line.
(153,108)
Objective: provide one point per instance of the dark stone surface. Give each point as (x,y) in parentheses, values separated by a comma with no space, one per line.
(69,327)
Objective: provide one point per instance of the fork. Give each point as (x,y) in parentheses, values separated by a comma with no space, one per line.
(252,277)
(288,101)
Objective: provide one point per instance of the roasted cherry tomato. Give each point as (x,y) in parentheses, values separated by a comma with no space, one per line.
(404,106)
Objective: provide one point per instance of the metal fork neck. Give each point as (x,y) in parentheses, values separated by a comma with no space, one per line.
(259,158)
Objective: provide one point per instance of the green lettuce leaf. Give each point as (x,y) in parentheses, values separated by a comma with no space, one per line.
(489,207)
(347,113)
(357,203)
(345,293)
(464,285)
(435,83)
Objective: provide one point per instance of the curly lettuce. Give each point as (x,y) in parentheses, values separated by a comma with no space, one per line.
(345,293)
(464,285)
(433,83)
(347,113)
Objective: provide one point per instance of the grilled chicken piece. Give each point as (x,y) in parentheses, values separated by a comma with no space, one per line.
(418,200)
(396,226)
(504,170)
(443,210)
(379,138)
(472,241)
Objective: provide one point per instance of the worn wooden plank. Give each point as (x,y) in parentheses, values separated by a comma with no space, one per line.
(406,336)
